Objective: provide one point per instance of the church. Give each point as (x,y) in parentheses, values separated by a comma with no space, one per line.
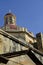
(7,45)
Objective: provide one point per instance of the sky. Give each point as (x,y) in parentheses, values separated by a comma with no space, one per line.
(29,13)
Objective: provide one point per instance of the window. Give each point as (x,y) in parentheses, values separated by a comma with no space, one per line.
(6,21)
(10,20)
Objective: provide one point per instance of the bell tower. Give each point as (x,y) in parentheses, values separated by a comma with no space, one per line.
(9,19)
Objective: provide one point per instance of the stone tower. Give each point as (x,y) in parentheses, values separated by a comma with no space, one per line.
(9,20)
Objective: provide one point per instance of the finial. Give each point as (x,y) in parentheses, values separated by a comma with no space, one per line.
(9,11)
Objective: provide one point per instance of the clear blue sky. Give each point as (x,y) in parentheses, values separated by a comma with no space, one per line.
(29,13)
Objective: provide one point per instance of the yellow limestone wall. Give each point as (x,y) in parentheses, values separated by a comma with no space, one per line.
(5,45)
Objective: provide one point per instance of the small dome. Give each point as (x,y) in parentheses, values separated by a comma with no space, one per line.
(9,14)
